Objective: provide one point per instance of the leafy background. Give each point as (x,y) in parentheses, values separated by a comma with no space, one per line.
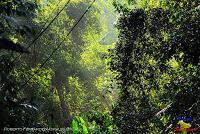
(129,66)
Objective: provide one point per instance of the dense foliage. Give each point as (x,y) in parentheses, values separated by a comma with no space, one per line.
(157,57)
(73,82)
(14,110)
(61,66)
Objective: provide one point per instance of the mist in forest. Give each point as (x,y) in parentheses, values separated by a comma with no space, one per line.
(99,66)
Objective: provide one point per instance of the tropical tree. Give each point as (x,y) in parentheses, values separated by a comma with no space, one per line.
(157,58)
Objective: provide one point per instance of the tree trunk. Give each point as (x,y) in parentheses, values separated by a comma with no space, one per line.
(58,82)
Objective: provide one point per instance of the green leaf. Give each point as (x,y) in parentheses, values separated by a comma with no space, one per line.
(85,131)
(75,127)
